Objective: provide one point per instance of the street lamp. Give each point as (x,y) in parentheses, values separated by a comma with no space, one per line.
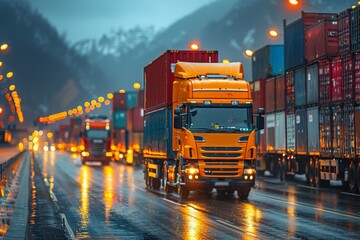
(4,46)
(273,33)
(137,85)
(195,46)
(248,53)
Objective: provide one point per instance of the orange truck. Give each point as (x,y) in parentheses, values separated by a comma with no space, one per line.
(203,137)
(96,140)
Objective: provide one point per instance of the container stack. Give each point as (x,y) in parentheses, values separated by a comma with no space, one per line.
(321,94)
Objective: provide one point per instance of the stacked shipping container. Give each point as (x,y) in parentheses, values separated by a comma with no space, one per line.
(321,94)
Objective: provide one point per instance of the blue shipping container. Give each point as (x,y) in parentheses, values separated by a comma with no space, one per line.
(268,61)
(300,93)
(294,44)
(119,119)
(157,133)
(131,100)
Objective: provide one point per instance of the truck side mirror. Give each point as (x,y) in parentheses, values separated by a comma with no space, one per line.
(177,121)
(260,119)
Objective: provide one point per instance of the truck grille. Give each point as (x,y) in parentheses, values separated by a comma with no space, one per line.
(221,161)
(97,149)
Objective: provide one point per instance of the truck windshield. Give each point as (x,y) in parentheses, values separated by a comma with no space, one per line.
(98,133)
(220,119)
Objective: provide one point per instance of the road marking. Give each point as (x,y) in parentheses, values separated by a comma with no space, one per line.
(308,187)
(67,227)
(310,206)
(172,202)
(229,225)
(351,194)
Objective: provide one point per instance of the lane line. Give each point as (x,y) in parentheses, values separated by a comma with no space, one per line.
(172,202)
(351,194)
(311,207)
(67,226)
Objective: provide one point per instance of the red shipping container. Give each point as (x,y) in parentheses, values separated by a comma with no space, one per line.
(280,93)
(348,78)
(321,40)
(258,94)
(138,113)
(325,82)
(344,31)
(159,75)
(357,77)
(336,79)
(290,92)
(270,95)
(119,101)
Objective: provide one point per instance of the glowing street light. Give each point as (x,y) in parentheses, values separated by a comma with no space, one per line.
(3,47)
(137,85)
(194,46)
(273,33)
(121,91)
(9,74)
(248,53)
(294,2)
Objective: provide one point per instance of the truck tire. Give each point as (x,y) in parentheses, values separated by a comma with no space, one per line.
(352,177)
(318,182)
(155,183)
(184,192)
(167,187)
(311,172)
(243,193)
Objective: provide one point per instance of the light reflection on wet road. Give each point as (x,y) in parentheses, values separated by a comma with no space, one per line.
(112,202)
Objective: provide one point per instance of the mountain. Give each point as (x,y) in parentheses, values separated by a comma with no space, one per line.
(230,27)
(49,75)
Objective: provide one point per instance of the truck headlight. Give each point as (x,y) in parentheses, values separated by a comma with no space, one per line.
(249,171)
(192,170)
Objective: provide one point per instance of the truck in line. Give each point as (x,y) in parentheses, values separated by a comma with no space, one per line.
(198,125)
(96,139)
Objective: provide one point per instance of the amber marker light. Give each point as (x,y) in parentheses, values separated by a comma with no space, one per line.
(9,74)
(225,61)
(121,91)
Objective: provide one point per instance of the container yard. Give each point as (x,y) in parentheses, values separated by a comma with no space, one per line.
(312,120)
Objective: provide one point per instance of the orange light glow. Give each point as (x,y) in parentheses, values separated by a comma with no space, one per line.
(1,77)
(294,2)
(107,102)
(110,96)
(4,47)
(9,74)
(248,53)
(1,110)
(121,91)
(137,85)
(273,33)
(194,46)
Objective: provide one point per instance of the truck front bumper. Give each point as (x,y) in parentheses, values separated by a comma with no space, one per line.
(219,183)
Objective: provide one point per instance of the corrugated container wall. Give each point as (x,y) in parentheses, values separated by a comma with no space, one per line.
(325,84)
(313,129)
(357,129)
(349,130)
(119,119)
(300,130)
(258,94)
(268,62)
(325,131)
(355,29)
(290,132)
(280,143)
(270,132)
(294,37)
(337,130)
(357,77)
(348,78)
(321,40)
(336,80)
(270,95)
(159,75)
(119,101)
(344,31)
(280,93)
(312,84)
(290,92)
(138,113)
(300,90)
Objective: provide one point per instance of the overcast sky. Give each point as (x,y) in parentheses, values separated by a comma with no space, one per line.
(80,19)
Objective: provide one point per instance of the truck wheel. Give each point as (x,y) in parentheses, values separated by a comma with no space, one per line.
(183,192)
(352,177)
(283,170)
(156,183)
(318,182)
(243,193)
(311,172)
(167,187)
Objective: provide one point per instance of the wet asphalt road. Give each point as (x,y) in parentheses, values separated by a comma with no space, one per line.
(112,202)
